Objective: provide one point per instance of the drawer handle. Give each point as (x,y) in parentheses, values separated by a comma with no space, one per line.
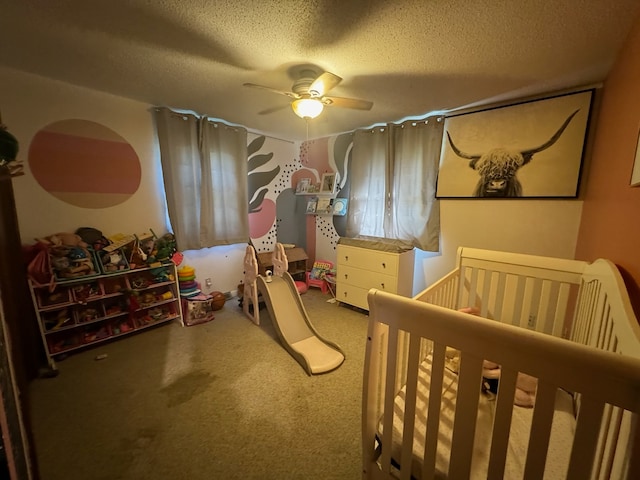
(346,258)
(384,265)
(346,275)
(382,285)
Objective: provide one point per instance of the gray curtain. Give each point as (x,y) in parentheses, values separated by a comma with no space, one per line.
(393,183)
(204,166)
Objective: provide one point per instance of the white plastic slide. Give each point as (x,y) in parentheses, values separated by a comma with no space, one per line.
(296,332)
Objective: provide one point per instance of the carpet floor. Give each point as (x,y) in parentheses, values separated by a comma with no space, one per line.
(220,400)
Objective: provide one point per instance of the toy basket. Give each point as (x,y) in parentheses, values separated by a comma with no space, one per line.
(112,262)
(73,263)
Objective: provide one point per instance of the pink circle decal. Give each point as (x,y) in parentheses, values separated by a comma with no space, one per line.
(84,163)
(260,222)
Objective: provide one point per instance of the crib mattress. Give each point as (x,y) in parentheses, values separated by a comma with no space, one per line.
(559,443)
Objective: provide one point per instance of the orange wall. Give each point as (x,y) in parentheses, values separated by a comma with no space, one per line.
(610,226)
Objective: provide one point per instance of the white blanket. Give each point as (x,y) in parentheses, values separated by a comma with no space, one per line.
(559,443)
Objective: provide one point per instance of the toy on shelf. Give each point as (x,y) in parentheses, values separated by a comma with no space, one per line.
(70,256)
(113,261)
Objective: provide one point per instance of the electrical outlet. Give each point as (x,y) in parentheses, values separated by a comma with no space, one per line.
(208,282)
(532,321)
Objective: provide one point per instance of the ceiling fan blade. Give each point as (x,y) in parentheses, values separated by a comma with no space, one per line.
(269,89)
(348,103)
(267,111)
(325,82)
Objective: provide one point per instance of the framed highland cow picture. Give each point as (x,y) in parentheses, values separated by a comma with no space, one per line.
(532,149)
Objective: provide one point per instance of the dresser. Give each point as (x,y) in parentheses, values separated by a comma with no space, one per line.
(360,268)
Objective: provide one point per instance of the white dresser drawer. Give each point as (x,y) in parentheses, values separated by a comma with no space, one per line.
(361,269)
(371,260)
(366,279)
(355,296)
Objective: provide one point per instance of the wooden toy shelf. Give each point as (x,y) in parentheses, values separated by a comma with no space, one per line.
(84,312)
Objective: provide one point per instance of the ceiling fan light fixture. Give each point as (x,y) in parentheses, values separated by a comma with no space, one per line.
(307,107)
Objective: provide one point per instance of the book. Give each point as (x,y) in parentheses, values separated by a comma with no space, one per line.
(340,206)
(325,205)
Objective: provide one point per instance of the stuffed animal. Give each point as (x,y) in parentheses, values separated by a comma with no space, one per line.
(64,238)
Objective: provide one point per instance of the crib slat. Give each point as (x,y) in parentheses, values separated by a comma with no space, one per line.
(502,423)
(497,312)
(518,301)
(473,287)
(540,430)
(532,307)
(410,407)
(546,306)
(389,394)
(585,439)
(561,310)
(486,289)
(464,424)
(433,412)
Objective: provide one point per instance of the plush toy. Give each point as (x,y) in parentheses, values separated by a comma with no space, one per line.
(69,255)
(526,385)
(64,238)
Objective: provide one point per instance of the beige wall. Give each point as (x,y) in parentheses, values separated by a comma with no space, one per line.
(537,227)
(610,226)
(30,102)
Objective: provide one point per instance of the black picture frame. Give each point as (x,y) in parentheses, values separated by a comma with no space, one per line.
(479,148)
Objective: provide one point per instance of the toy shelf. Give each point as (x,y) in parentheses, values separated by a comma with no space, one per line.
(84,312)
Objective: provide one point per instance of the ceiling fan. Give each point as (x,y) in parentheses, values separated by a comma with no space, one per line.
(309,94)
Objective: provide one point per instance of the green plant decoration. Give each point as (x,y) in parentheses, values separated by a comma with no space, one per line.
(258,181)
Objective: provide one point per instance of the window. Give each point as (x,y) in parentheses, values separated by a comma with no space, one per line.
(393,182)
(204,166)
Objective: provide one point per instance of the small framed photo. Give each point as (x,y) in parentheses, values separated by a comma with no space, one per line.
(328,184)
(303,185)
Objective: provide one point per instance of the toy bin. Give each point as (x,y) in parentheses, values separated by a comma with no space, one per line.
(121,326)
(73,263)
(95,333)
(85,292)
(58,319)
(89,312)
(114,285)
(153,315)
(112,262)
(115,306)
(60,296)
(62,341)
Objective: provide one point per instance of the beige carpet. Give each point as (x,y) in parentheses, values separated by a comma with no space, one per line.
(221,400)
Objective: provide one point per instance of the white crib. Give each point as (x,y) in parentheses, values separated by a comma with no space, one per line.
(567,323)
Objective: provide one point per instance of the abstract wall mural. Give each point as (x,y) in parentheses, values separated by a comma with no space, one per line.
(270,170)
(84,163)
(277,214)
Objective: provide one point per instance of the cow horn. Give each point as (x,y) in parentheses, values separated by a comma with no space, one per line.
(459,153)
(527,154)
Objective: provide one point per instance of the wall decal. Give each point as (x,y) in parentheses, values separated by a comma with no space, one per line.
(84,163)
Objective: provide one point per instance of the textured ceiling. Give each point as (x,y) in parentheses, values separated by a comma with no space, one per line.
(408,57)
